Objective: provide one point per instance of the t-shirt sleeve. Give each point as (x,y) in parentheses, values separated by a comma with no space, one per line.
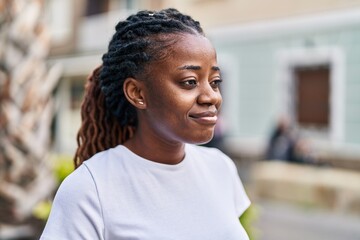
(76,211)
(242,201)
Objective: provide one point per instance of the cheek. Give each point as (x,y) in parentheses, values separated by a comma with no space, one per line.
(174,101)
(162,100)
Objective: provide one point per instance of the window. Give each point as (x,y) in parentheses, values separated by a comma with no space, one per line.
(294,68)
(94,7)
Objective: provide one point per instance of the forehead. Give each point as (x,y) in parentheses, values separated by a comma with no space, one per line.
(188,46)
(178,47)
(184,50)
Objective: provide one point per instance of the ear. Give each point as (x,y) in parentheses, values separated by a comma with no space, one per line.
(134,92)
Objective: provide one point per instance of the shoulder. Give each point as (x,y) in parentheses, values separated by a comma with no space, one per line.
(105,161)
(76,201)
(86,175)
(79,182)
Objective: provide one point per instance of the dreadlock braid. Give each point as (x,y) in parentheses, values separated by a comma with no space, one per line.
(108,119)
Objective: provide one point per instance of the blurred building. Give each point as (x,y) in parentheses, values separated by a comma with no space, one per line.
(298,58)
(305,66)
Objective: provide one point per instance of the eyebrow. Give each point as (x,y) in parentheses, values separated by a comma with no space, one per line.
(193,67)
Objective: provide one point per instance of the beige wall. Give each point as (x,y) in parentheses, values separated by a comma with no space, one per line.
(214,13)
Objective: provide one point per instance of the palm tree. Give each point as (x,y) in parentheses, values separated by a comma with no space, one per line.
(26,112)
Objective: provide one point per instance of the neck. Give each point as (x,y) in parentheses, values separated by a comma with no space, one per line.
(154,149)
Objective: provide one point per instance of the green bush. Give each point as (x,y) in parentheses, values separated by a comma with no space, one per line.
(62,167)
(248,220)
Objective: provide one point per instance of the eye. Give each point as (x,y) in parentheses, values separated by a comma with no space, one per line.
(191,83)
(216,83)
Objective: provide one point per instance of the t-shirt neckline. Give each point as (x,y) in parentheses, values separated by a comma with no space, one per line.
(152,164)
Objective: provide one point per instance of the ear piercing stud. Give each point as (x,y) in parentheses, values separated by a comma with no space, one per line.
(141,102)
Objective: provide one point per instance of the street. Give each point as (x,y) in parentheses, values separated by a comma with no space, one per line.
(288,222)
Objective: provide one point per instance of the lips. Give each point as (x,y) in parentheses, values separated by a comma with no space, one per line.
(205,118)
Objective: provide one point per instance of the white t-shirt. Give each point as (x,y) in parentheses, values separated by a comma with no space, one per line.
(118,195)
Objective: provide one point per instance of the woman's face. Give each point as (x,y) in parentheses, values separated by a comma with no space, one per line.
(182,92)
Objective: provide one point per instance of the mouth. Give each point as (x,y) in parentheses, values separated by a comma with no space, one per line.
(204,118)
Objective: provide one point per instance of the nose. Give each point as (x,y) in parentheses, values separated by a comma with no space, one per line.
(209,96)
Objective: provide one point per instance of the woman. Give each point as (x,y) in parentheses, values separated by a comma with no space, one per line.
(155,95)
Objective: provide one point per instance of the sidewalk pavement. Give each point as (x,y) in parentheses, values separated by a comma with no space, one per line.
(281,221)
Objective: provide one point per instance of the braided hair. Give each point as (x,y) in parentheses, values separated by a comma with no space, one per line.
(108,119)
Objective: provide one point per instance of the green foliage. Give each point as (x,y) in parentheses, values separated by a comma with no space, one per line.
(248,219)
(42,210)
(62,167)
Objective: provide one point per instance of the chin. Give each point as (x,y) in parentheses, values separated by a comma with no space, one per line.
(202,140)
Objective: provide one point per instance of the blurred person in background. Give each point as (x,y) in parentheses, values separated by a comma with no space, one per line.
(139,174)
(286,145)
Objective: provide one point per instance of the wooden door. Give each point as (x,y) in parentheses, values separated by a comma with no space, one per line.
(312,94)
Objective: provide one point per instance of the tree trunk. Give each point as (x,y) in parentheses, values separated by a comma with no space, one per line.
(26,110)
